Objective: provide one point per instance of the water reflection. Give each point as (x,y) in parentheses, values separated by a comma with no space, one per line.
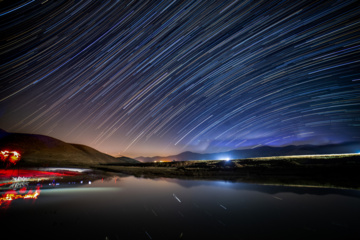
(23,193)
(121,207)
(14,187)
(270,189)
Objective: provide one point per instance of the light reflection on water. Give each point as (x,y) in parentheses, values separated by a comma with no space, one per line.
(134,208)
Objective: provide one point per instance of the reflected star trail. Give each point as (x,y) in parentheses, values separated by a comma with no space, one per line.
(161,77)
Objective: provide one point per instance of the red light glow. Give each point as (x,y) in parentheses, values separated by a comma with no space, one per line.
(13,195)
(8,173)
(9,157)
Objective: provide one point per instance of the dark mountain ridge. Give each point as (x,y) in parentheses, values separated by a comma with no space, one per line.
(39,149)
(263,151)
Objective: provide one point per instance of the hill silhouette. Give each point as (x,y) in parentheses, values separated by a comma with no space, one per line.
(263,151)
(43,150)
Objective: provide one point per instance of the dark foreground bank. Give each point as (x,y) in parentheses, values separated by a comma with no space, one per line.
(340,171)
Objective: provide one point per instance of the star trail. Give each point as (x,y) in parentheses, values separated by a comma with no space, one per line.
(160,77)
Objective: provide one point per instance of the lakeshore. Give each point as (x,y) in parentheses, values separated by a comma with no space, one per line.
(338,171)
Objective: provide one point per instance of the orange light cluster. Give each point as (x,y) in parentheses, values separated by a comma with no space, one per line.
(9,157)
(162,161)
(12,195)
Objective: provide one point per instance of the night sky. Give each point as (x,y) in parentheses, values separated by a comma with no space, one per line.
(161,77)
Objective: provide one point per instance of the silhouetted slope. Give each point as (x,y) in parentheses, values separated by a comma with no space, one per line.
(264,151)
(44,150)
(127,160)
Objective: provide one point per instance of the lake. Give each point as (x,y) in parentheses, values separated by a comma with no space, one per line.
(125,207)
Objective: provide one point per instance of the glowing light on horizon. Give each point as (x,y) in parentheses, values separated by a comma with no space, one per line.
(224,158)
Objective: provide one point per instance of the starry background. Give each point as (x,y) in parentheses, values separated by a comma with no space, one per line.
(160,77)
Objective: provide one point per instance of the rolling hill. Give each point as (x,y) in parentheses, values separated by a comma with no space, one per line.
(47,151)
(263,151)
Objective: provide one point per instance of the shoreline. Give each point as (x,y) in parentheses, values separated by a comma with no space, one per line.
(334,171)
(340,171)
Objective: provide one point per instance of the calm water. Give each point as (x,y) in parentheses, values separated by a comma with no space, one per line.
(133,208)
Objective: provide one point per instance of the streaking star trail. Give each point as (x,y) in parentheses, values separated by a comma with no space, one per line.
(161,77)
